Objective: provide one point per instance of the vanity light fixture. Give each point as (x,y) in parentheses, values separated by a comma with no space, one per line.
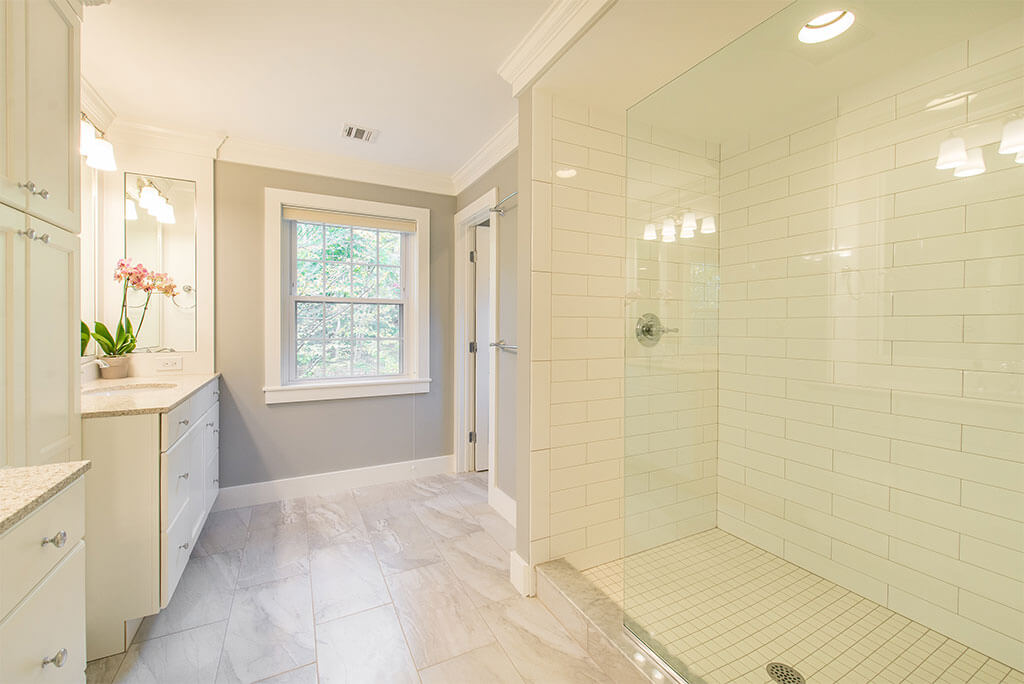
(1012,141)
(707,225)
(650,232)
(101,156)
(974,165)
(689,220)
(826,26)
(130,213)
(952,153)
(687,233)
(165,214)
(668,230)
(148,196)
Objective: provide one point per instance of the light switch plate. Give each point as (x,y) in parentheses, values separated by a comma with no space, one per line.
(169,363)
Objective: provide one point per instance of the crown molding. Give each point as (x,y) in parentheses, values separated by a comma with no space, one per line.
(154,137)
(95,107)
(557,29)
(242,151)
(503,143)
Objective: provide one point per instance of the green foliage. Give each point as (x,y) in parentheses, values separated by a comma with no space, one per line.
(85,337)
(115,345)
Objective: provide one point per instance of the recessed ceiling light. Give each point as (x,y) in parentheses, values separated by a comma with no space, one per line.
(826,26)
(566,173)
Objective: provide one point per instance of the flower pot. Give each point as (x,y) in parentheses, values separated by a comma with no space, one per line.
(117,367)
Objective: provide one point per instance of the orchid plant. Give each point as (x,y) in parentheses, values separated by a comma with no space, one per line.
(141,279)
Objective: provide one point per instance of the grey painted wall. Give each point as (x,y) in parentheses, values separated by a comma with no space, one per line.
(503,177)
(260,442)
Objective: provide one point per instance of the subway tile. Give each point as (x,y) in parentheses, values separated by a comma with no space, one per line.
(992,414)
(994,329)
(898,476)
(993,528)
(965,356)
(938,381)
(936,433)
(1008,299)
(918,583)
(995,500)
(935,537)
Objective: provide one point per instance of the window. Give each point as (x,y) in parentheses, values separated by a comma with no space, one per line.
(350,284)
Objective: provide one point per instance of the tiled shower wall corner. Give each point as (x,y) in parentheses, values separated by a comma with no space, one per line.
(871,347)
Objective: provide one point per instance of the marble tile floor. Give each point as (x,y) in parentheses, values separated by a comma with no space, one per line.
(404,582)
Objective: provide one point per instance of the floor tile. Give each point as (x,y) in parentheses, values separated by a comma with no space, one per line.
(365,647)
(333,520)
(189,656)
(103,670)
(270,631)
(540,649)
(481,565)
(378,502)
(439,620)
(203,596)
(346,579)
(496,526)
(277,513)
(402,543)
(223,531)
(275,552)
(487,664)
(444,517)
(301,675)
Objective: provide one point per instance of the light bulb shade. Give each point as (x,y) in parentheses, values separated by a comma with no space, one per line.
(147,196)
(687,233)
(689,221)
(165,214)
(101,156)
(668,231)
(130,213)
(87,137)
(1012,141)
(974,165)
(952,153)
(650,232)
(707,225)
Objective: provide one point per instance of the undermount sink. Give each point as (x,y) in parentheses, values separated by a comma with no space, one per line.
(130,389)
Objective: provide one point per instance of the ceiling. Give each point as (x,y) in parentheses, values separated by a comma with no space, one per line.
(291,74)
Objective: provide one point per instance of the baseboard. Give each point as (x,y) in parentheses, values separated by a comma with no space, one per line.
(522,576)
(330,483)
(503,503)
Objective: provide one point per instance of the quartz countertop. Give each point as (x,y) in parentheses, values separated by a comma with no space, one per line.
(23,490)
(151,398)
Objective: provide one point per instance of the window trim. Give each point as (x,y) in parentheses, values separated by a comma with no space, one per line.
(277,279)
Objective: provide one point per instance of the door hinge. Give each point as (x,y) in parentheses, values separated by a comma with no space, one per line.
(472,347)
(472,256)
(472,437)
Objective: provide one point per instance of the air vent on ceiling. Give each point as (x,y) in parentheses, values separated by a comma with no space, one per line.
(361,133)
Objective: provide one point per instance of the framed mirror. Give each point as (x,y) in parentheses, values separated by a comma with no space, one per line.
(160,234)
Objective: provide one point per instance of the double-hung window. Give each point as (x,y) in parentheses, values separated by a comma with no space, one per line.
(352,289)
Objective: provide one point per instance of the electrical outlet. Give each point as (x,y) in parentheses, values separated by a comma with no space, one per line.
(169,363)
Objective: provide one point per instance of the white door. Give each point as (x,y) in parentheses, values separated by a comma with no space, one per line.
(12,103)
(483,371)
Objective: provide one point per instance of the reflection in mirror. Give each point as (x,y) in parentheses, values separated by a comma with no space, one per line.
(160,233)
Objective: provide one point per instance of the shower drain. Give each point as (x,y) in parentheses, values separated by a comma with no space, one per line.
(784,674)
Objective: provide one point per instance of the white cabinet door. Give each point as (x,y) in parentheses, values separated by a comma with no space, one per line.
(12,103)
(211,456)
(12,344)
(51,326)
(52,116)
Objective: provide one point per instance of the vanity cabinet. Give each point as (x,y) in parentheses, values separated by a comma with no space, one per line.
(39,158)
(153,482)
(42,593)
(39,275)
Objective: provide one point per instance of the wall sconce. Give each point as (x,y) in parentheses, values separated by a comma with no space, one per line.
(1012,141)
(707,225)
(668,230)
(98,152)
(650,232)
(952,153)
(974,165)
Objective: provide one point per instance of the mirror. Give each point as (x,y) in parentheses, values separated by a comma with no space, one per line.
(160,233)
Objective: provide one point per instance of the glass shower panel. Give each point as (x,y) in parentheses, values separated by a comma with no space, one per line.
(824,361)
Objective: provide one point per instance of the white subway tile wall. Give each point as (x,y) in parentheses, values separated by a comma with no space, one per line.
(871,419)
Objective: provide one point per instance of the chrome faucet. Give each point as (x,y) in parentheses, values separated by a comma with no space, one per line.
(99,362)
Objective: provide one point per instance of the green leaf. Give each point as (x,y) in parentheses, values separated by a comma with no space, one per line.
(86,335)
(103,338)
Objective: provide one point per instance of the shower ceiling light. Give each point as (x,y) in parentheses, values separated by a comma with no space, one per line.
(826,27)
(668,230)
(130,213)
(707,225)
(689,221)
(1012,141)
(974,165)
(952,153)
(566,173)
(650,232)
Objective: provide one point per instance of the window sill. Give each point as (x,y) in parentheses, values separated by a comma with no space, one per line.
(346,389)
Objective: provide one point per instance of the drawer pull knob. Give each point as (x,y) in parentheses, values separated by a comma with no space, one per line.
(217,430)
(59,658)
(216,481)
(45,237)
(184,546)
(58,540)
(216,395)
(183,476)
(210,424)
(183,421)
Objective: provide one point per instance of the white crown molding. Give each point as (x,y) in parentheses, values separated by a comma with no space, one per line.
(95,107)
(325,164)
(502,144)
(154,137)
(557,29)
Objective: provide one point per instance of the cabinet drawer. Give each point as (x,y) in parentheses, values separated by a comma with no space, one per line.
(175,549)
(175,423)
(211,476)
(176,466)
(205,397)
(51,618)
(24,559)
